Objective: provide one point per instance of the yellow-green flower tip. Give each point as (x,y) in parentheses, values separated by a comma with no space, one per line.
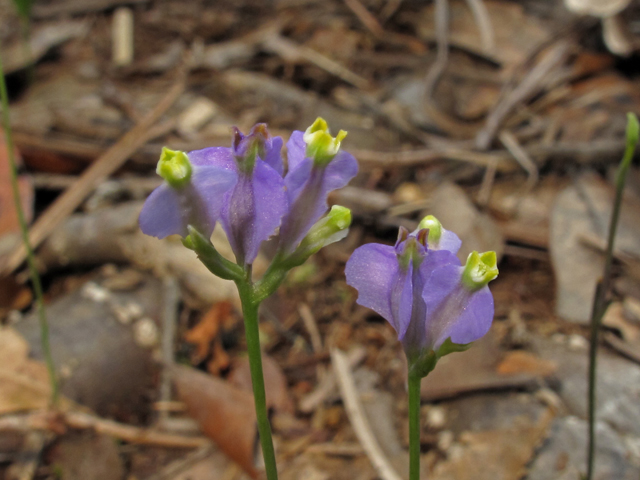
(434,226)
(479,270)
(340,217)
(174,167)
(321,146)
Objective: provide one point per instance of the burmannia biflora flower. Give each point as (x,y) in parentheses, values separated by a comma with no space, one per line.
(434,304)
(245,188)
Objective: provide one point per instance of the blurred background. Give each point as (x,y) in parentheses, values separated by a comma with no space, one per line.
(505,119)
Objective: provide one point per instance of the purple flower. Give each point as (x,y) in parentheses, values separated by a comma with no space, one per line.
(253,208)
(317,166)
(191,195)
(424,293)
(459,307)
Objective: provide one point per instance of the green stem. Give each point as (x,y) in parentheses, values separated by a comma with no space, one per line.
(250,312)
(414,426)
(599,303)
(33,271)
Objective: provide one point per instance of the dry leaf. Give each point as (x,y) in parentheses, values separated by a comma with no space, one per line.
(495,454)
(24,383)
(275,382)
(207,330)
(225,413)
(520,361)
(8,215)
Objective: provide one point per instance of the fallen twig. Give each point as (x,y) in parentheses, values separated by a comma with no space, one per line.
(481,16)
(42,420)
(98,171)
(290,51)
(328,383)
(311,326)
(169,323)
(366,17)
(525,89)
(27,464)
(357,417)
(511,143)
(174,468)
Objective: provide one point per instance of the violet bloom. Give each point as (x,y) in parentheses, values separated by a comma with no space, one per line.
(423,292)
(317,166)
(191,195)
(254,206)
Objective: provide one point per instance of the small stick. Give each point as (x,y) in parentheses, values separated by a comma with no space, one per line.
(357,417)
(527,87)
(174,468)
(328,383)
(122,37)
(25,468)
(41,420)
(366,17)
(293,52)
(442,120)
(377,159)
(169,321)
(310,324)
(104,166)
(487,184)
(511,143)
(390,8)
(481,16)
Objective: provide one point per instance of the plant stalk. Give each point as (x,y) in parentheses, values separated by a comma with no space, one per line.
(414,426)
(599,302)
(24,229)
(250,313)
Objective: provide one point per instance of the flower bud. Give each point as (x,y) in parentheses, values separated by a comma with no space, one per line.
(332,228)
(321,146)
(479,270)
(410,247)
(633,130)
(434,226)
(246,148)
(174,167)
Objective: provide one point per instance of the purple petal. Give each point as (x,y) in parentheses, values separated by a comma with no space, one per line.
(253,211)
(474,322)
(307,188)
(449,241)
(296,150)
(273,154)
(453,311)
(297,177)
(161,213)
(169,211)
(373,270)
(215,156)
(435,259)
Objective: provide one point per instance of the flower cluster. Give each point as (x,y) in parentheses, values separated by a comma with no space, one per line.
(244,188)
(435,304)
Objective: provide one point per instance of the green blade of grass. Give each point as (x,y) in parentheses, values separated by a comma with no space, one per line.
(599,302)
(33,271)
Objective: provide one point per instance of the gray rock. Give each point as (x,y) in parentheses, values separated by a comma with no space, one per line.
(95,353)
(581,213)
(492,411)
(618,386)
(563,456)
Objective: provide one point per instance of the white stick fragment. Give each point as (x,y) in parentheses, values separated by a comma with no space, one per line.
(357,417)
(195,116)
(122,37)
(311,326)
